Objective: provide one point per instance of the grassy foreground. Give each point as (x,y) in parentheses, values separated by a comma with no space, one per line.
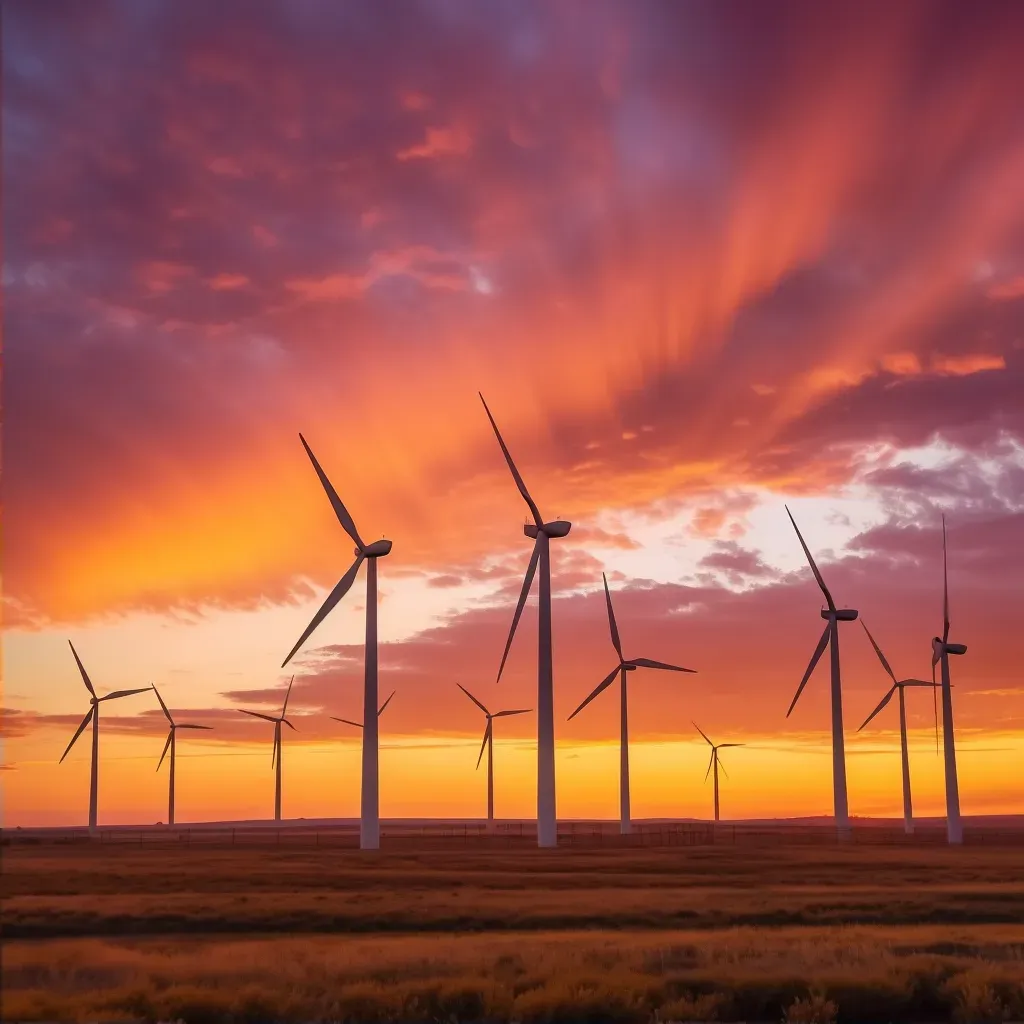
(633,935)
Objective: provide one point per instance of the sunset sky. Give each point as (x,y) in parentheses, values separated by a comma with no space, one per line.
(702,260)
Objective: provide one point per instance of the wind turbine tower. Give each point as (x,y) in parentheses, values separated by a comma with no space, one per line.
(93,715)
(275,757)
(941,650)
(621,670)
(171,745)
(898,684)
(369,823)
(541,533)
(488,745)
(830,638)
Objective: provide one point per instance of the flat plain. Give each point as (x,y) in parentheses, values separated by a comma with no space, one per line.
(475,931)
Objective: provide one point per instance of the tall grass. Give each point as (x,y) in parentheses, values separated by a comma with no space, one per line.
(810,976)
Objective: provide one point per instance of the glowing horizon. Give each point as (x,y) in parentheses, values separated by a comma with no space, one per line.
(700,265)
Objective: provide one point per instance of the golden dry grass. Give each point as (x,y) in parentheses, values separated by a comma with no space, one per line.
(630,935)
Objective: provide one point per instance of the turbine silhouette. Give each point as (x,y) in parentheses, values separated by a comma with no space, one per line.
(369,823)
(541,533)
(93,716)
(620,670)
(171,745)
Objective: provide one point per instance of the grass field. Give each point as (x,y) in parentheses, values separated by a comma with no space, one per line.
(710,933)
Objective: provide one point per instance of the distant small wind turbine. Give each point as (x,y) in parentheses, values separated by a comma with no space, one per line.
(897,684)
(275,757)
(94,716)
(488,744)
(541,533)
(941,650)
(369,825)
(620,670)
(171,745)
(715,762)
(359,725)
(833,616)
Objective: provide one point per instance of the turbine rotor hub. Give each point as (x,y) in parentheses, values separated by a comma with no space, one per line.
(557,528)
(840,614)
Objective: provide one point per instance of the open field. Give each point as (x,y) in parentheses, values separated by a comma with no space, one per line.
(732,932)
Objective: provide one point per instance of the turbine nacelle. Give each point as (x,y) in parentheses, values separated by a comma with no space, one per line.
(939,647)
(626,667)
(840,614)
(558,528)
(378,549)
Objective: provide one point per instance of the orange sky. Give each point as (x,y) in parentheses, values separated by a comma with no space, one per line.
(700,261)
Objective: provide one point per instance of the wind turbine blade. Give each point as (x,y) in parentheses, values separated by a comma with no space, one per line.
(163,705)
(702,732)
(289,724)
(878,651)
(483,746)
(288,693)
(125,693)
(722,746)
(935,705)
(80,730)
(257,714)
(650,663)
(531,569)
(512,466)
(818,651)
(603,685)
(385,704)
(945,586)
(167,746)
(810,560)
(710,763)
(339,508)
(472,698)
(348,721)
(505,714)
(341,589)
(81,668)
(611,618)
(915,682)
(193,727)
(881,704)
(277,742)
(722,766)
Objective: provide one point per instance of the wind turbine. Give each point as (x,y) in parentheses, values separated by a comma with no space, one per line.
(715,748)
(541,533)
(620,670)
(369,826)
(170,745)
(941,650)
(488,743)
(359,725)
(832,616)
(94,717)
(275,757)
(898,684)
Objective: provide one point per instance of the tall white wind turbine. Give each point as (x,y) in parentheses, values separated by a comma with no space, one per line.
(488,744)
(369,825)
(541,533)
(897,684)
(715,762)
(830,638)
(94,717)
(621,670)
(941,650)
(275,757)
(171,745)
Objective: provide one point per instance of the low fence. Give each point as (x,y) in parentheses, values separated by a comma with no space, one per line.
(571,834)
